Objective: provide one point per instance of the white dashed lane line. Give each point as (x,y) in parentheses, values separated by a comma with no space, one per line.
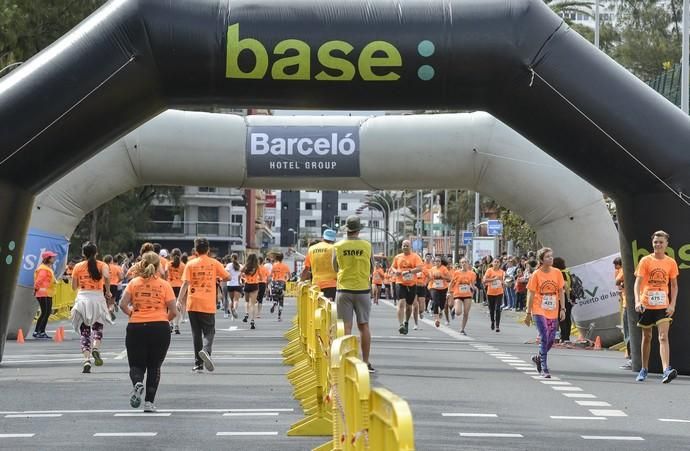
(16,435)
(125,434)
(34,415)
(565,417)
(608,413)
(611,437)
(672,420)
(579,395)
(593,403)
(144,414)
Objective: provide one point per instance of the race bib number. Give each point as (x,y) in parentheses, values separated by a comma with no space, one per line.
(408,276)
(656,298)
(548,302)
(495,284)
(438,283)
(464,288)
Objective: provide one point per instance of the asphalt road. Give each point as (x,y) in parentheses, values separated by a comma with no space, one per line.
(474,392)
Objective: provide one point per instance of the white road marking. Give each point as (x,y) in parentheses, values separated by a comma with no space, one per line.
(16,435)
(121,355)
(33,415)
(565,417)
(523,368)
(144,414)
(611,437)
(608,413)
(673,420)
(159,410)
(579,395)
(532,373)
(481,415)
(486,434)
(250,414)
(593,403)
(555,383)
(559,388)
(513,361)
(245,433)
(523,364)
(125,434)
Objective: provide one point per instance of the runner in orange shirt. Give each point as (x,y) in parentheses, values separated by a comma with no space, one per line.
(493,281)
(175,271)
(263,282)
(116,276)
(462,289)
(545,306)
(405,267)
(656,302)
(388,279)
(426,267)
(377,279)
(280,273)
(439,277)
(198,295)
(419,305)
(251,274)
(149,302)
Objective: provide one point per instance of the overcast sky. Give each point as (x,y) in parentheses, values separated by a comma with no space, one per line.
(327,113)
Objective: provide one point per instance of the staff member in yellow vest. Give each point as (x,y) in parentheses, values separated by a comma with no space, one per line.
(354,263)
(44,290)
(318,266)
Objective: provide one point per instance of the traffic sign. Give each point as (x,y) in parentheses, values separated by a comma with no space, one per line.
(466,238)
(494,227)
(417,245)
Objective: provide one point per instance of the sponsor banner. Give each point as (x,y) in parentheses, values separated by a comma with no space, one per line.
(271,201)
(484,246)
(38,241)
(274,151)
(594,286)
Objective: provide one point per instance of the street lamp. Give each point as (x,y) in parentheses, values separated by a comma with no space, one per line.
(294,237)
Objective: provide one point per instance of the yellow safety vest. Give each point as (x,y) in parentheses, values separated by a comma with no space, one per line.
(354,265)
(321,260)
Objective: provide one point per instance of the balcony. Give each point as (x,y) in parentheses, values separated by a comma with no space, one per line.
(185,229)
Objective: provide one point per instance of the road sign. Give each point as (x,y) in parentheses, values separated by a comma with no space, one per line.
(417,245)
(466,238)
(494,227)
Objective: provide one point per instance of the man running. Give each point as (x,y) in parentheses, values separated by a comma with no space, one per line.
(353,260)
(377,278)
(318,266)
(198,296)
(655,303)
(280,272)
(405,267)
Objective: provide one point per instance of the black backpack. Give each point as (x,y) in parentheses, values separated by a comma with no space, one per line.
(577,290)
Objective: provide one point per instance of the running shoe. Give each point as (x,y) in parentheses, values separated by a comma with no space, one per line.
(463,332)
(416,327)
(437,323)
(135,396)
(208,363)
(252,326)
(225,315)
(669,375)
(149,407)
(97,357)
(371,368)
(537,361)
(447,323)
(246,318)
(642,375)
(44,336)
(545,374)
(177,330)
(493,325)
(401,329)
(198,369)
(498,330)
(273,307)
(627,365)
(35,334)
(86,368)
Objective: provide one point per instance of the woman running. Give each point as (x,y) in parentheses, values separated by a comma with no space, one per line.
(462,288)
(250,274)
(149,301)
(235,284)
(44,290)
(376,282)
(439,276)
(175,271)
(493,281)
(545,306)
(91,280)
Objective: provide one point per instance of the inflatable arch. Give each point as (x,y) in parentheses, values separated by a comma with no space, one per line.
(471,151)
(515,59)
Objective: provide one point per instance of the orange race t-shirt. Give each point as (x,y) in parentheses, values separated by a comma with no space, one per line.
(463,282)
(252,279)
(263,274)
(149,298)
(201,273)
(656,275)
(280,272)
(436,278)
(403,262)
(377,276)
(115,273)
(547,287)
(175,275)
(84,280)
(495,287)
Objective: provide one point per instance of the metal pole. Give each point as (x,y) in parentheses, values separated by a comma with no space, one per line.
(596,23)
(685,78)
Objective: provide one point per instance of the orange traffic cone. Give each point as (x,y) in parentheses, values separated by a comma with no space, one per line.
(62,334)
(597,343)
(56,337)
(20,336)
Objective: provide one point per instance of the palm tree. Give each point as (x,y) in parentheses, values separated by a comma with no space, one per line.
(563,7)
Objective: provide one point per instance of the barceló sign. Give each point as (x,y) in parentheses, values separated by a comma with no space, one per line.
(303,151)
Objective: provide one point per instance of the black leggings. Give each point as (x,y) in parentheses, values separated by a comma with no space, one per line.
(439,298)
(495,304)
(46,304)
(262,293)
(147,344)
(567,323)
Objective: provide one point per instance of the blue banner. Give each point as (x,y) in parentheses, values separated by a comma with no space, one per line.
(38,241)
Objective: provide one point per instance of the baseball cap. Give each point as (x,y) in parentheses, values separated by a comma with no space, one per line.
(46,254)
(353,224)
(329,235)
(164,253)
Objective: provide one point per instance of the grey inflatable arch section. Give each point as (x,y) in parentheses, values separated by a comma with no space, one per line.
(469,151)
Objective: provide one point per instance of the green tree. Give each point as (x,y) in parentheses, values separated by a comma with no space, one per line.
(29,26)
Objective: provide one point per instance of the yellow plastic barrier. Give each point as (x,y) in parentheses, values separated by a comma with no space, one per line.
(292,289)
(390,422)
(62,301)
